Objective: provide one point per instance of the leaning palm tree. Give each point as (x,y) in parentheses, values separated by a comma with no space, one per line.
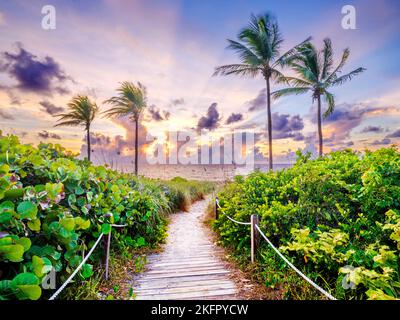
(258,47)
(130,101)
(315,74)
(81,112)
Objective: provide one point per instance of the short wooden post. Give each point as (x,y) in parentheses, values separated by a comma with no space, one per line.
(255,237)
(216,208)
(108,215)
(108,252)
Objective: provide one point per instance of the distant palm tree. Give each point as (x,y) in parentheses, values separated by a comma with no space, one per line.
(81,112)
(259,51)
(315,74)
(131,101)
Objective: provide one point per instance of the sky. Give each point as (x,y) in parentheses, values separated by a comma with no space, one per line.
(172,47)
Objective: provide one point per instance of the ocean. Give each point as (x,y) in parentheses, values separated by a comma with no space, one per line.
(202,172)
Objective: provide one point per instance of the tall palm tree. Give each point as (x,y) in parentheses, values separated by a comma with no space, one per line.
(81,112)
(258,48)
(130,101)
(315,74)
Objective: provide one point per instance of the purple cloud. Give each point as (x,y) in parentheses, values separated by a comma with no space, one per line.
(287,126)
(48,135)
(395,134)
(258,102)
(234,117)
(368,129)
(34,75)
(50,108)
(211,120)
(384,141)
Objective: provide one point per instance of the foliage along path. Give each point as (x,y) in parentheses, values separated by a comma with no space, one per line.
(189,266)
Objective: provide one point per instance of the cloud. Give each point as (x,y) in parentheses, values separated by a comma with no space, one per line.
(5,115)
(48,135)
(157,115)
(346,117)
(258,102)
(368,129)
(117,151)
(177,102)
(34,75)
(211,120)
(384,141)
(395,134)
(50,108)
(286,126)
(234,117)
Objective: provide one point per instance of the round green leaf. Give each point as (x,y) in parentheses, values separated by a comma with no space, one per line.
(68,223)
(27,210)
(105,228)
(34,225)
(25,242)
(87,270)
(28,291)
(12,252)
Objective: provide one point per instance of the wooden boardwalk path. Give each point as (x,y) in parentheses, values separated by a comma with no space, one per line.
(189,266)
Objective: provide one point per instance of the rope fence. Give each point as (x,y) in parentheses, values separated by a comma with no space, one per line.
(233,220)
(77,269)
(73,274)
(254,245)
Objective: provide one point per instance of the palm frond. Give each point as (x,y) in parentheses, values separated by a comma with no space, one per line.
(237,69)
(82,112)
(289,91)
(68,123)
(131,100)
(347,77)
(297,82)
(333,75)
(310,59)
(327,62)
(330,99)
(290,55)
(246,54)
(279,77)
(305,73)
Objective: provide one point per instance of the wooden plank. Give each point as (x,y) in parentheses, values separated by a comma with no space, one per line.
(185,274)
(192,268)
(184,268)
(221,277)
(187,295)
(178,283)
(205,289)
(183,259)
(183,263)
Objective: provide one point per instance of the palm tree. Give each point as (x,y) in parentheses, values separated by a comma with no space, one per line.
(81,112)
(315,74)
(130,101)
(258,48)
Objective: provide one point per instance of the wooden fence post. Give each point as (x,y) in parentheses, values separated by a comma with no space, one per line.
(216,209)
(255,236)
(108,252)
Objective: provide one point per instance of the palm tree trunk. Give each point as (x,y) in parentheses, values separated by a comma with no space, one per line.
(136,145)
(88,143)
(269,120)
(320,126)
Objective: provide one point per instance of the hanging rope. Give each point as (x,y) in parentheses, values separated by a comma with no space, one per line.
(329,296)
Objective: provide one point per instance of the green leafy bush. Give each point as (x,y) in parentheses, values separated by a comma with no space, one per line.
(327,214)
(53,207)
